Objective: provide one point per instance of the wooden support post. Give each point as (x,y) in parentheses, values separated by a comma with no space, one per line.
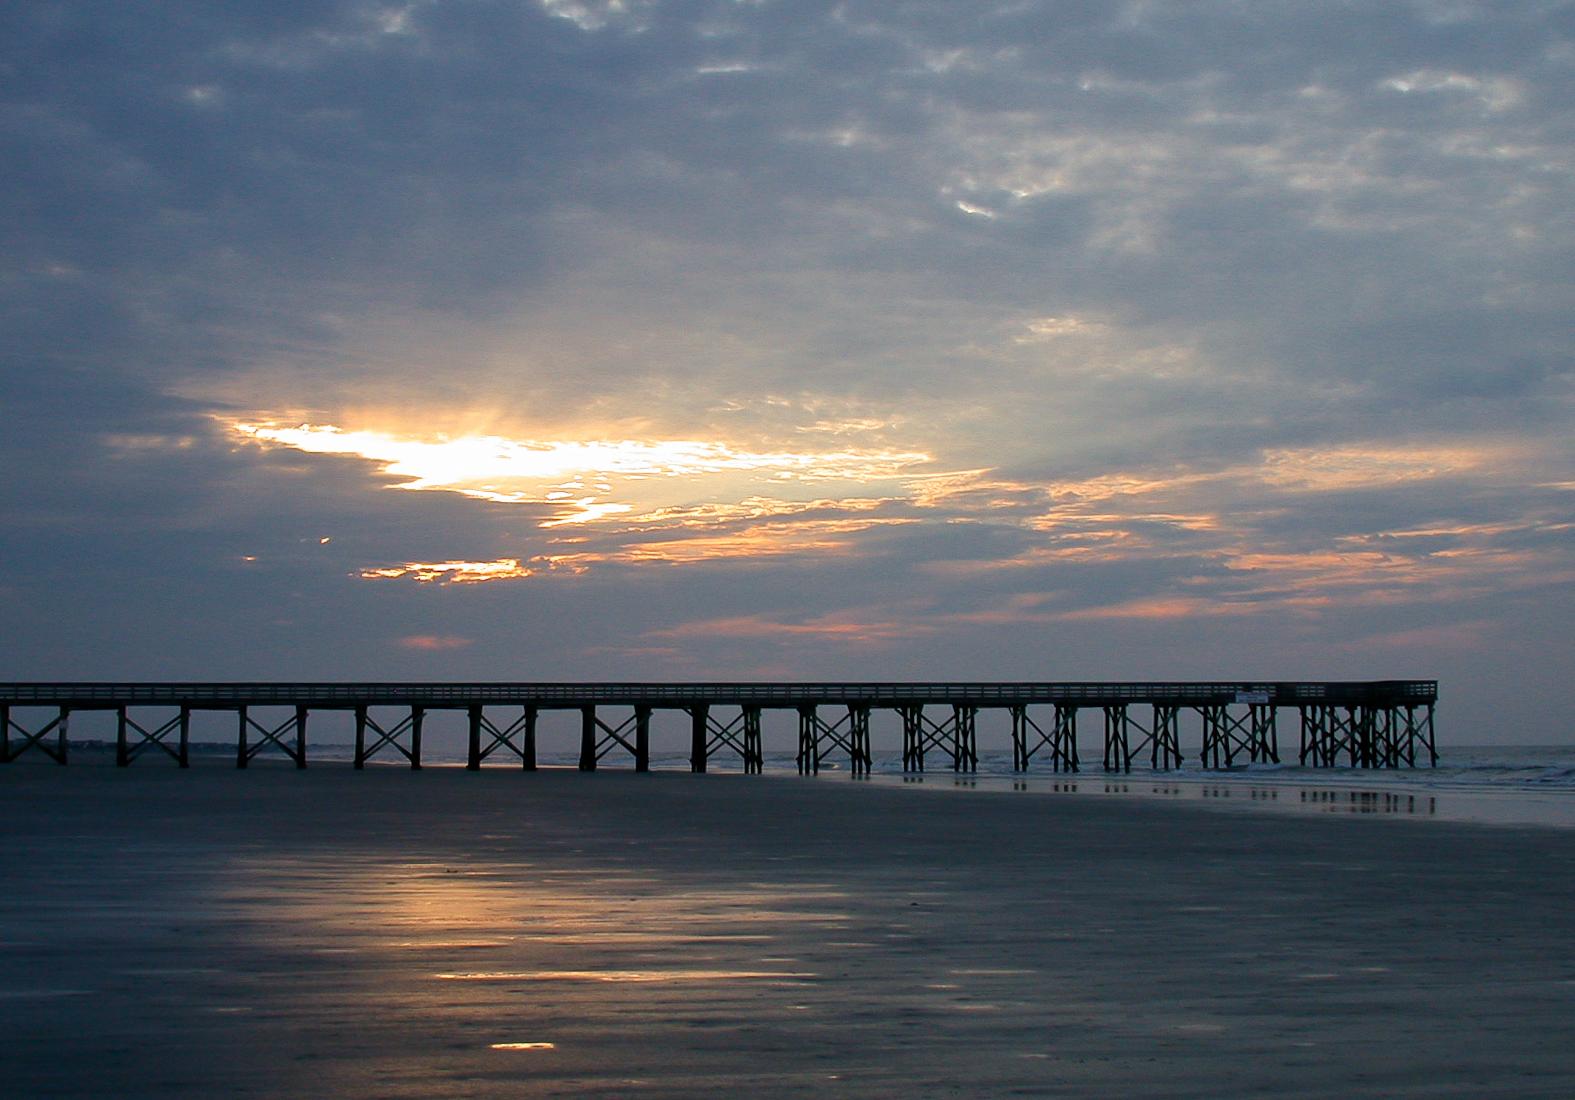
(1210,756)
(242,757)
(473,756)
(417,716)
(360,737)
(859,739)
(122,746)
(699,734)
(1019,739)
(754,752)
(642,739)
(1063,748)
(588,739)
(808,741)
(5,734)
(1118,756)
(300,737)
(528,749)
(1265,734)
(913,737)
(965,752)
(184,757)
(1166,748)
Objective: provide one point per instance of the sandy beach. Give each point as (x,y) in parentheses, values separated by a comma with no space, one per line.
(394,934)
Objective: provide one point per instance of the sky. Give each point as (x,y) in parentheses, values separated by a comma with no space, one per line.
(738,339)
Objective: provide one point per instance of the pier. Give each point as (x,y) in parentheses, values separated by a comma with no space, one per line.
(1367,724)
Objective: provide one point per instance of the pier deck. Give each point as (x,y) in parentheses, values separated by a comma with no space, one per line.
(1381,723)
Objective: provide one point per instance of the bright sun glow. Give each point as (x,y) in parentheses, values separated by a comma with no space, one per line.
(577,477)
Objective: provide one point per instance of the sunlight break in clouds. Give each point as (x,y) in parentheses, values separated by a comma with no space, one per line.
(574,477)
(452,572)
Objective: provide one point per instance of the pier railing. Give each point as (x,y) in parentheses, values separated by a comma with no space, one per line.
(95,695)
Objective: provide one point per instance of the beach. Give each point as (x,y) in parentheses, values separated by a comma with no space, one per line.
(407,934)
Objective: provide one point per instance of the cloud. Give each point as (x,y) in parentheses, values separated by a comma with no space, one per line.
(434,643)
(997,336)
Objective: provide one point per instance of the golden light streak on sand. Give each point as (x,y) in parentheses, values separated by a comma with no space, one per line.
(523,1046)
(639,976)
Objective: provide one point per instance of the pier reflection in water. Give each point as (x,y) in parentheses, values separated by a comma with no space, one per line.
(1267,795)
(1371,802)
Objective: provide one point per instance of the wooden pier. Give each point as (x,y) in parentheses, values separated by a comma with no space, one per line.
(1368,724)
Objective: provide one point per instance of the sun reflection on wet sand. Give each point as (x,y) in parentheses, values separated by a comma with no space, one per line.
(523,1046)
(626,976)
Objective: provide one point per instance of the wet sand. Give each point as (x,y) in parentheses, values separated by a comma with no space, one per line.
(273,933)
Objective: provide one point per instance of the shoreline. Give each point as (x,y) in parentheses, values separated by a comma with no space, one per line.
(1417,794)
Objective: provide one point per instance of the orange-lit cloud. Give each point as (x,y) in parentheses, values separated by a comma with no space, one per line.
(451,572)
(1370,466)
(841,626)
(434,643)
(1220,535)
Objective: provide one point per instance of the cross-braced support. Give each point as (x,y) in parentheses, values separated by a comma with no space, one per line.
(955,737)
(1368,736)
(518,737)
(9,751)
(1386,747)
(851,733)
(1028,737)
(1328,731)
(1314,735)
(1160,738)
(1226,734)
(597,738)
(157,738)
(1419,734)
(1255,733)
(707,736)
(245,750)
(407,728)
